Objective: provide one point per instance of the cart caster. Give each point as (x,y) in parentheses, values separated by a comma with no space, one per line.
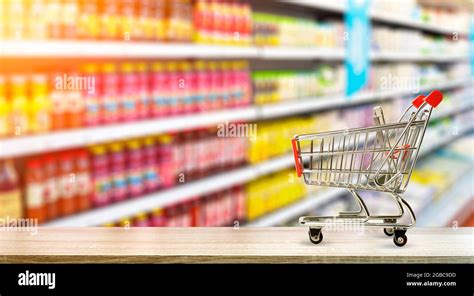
(400,239)
(315,235)
(388,231)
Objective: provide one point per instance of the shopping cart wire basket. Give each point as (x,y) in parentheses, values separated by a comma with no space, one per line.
(377,158)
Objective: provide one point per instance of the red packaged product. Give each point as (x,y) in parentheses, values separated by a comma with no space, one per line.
(83,180)
(159,105)
(34,184)
(158,218)
(51,192)
(141,220)
(144,93)
(91,96)
(67,184)
(166,161)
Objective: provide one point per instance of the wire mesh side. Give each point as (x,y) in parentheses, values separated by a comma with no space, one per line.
(351,158)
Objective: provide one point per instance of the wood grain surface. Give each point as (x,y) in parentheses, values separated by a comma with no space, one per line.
(229,245)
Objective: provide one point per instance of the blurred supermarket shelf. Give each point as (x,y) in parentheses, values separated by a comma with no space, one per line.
(379,16)
(298,208)
(334,6)
(396,56)
(308,105)
(454,204)
(434,144)
(185,192)
(96,49)
(82,137)
(390,18)
(451,111)
(181,193)
(28,145)
(292,53)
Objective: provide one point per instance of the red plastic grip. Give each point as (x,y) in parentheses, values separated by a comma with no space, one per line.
(420,99)
(434,98)
(297,159)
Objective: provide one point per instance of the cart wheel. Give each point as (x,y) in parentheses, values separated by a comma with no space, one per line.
(388,231)
(315,236)
(401,240)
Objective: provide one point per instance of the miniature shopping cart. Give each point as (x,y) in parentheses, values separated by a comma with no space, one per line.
(378,158)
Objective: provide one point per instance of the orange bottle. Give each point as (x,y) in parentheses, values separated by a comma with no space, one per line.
(109,19)
(75,105)
(34,183)
(4,109)
(10,194)
(129,28)
(58,102)
(88,20)
(67,184)
(51,192)
(40,107)
(83,180)
(19,106)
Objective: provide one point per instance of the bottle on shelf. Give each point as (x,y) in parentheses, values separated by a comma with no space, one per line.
(143,89)
(141,220)
(171,90)
(158,85)
(34,190)
(4,109)
(109,94)
(167,165)
(83,180)
(159,19)
(101,177)
(150,161)
(51,192)
(69,17)
(19,106)
(135,168)
(59,103)
(89,20)
(129,95)
(119,190)
(67,184)
(129,29)
(158,218)
(40,107)
(75,106)
(91,97)
(11,205)
(109,20)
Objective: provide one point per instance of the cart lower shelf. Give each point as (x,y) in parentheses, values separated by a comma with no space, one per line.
(229,245)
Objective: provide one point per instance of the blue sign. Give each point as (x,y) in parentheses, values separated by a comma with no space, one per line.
(358,42)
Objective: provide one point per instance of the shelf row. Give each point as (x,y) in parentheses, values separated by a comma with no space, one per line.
(313,201)
(28,145)
(454,204)
(211,184)
(98,49)
(384,17)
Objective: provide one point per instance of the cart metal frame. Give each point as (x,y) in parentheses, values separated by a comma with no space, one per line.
(377,158)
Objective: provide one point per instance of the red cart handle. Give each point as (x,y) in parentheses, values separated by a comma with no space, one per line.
(420,99)
(433,99)
(297,159)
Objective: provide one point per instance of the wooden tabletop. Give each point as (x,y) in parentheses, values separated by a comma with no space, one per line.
(229,245)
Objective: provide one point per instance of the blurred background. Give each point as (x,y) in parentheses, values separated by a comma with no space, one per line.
(180,113)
